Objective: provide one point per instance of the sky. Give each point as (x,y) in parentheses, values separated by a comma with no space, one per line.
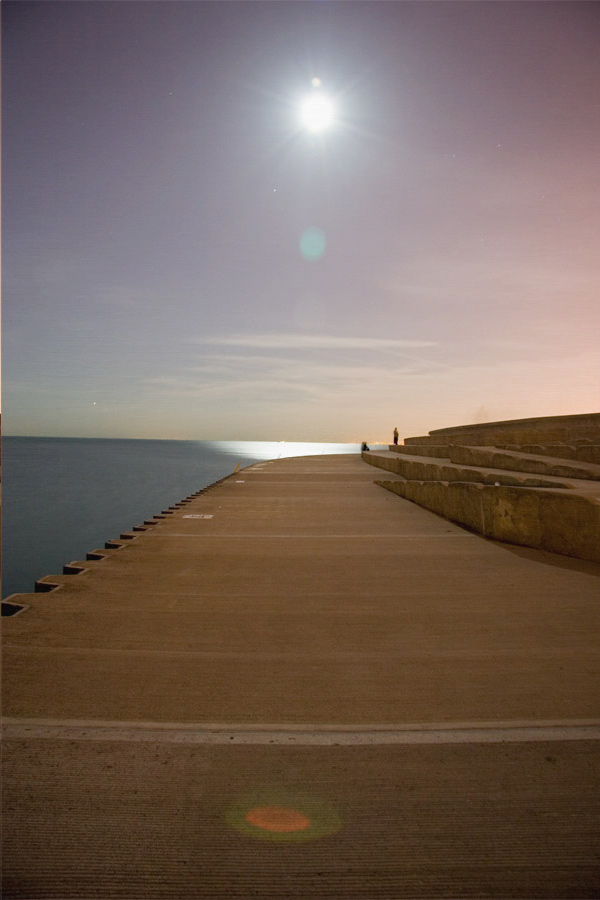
(160,193)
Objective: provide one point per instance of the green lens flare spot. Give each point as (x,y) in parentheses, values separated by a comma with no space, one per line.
(282,814)
(312,244)
(277,818)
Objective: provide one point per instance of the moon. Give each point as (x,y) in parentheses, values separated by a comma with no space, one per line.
(317,112)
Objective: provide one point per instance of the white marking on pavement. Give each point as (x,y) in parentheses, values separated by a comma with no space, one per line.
(324,735)
(361,536)
(289,655)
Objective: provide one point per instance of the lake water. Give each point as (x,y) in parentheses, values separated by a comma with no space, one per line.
(62,497)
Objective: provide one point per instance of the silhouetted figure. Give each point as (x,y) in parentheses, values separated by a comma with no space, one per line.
(364,447)
(396,436)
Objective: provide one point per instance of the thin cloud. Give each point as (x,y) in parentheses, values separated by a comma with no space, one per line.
(313,342)
(268,378)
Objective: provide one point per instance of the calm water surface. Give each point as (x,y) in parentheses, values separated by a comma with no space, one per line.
(62,497)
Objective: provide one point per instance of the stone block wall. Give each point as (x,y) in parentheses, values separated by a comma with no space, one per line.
(556,521)
(483,476)
(542,430)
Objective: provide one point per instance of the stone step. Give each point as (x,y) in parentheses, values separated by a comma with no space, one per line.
(491,457)
(540,430)
(576,430)
(430,450)
(429,469)
(588,453)
(555,521)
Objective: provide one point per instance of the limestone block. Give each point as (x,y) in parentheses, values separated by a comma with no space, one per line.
(539,430)
(551,520)
(442,451)
(415,470)
(590,454)
(520,462)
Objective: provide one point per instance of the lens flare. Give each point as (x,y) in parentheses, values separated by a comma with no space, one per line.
(312,244)
(281,814)
(277,818)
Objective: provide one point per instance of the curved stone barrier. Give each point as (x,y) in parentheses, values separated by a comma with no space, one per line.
(415,470)
(441,452)
(555,521)
(587,453)
(539,430)
(492,458)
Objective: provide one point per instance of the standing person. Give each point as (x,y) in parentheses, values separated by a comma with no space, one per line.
(396,436)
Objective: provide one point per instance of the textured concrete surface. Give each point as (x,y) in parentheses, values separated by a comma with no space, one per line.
(135,820)
(311,603)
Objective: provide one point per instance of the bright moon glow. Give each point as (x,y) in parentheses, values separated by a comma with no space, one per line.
(317,112)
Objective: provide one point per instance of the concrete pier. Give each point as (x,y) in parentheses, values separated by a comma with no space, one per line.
(298,685)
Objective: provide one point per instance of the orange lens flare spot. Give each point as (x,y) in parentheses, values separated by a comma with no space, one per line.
(277,818)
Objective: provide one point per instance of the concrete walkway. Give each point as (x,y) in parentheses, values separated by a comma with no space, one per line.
(298,685)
